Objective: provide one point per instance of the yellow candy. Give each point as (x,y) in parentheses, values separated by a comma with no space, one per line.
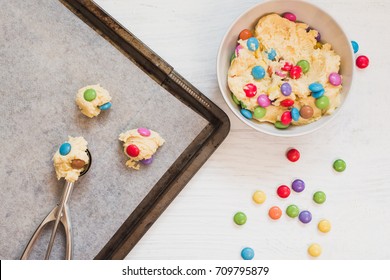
(314,250)
(324,226)
(259,197)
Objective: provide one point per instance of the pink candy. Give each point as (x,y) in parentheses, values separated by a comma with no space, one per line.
(238,48)
(263,100)
(334,79)
(290,16)
(143,131)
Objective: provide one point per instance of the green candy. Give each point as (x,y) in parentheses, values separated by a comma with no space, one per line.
(240,218)
(319,197)
(292,211)
(259,112)
(89,94)
(232,57)
(304,64)
(235,100)
(339,165)
(279,125)
(242,104)
(322,102)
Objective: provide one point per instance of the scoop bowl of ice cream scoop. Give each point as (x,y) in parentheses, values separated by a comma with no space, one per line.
(285,68)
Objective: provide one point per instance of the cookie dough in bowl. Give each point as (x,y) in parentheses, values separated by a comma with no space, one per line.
(140,145)
(92,100)
(71,158)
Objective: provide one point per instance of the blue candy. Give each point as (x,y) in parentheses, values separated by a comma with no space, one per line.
(314,87)
(247,253)
(147,161)
(65,149)
(355,46)
(252,43)
(258,72)
(294,114)
(105,106)
(246,113)
(271,54)
(318,94)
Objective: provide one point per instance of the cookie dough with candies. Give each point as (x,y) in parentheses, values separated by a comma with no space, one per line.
(140,145)
(71,158)
(92,100)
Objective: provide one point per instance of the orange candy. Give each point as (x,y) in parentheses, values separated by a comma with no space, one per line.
(245,34)
(275,213)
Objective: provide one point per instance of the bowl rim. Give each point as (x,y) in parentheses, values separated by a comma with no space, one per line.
(253,124)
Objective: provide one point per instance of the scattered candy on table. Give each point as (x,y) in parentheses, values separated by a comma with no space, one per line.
(65,149)
(355,46)
(245,34)
(247,253)
(283,191)
(259,197)
(239,218)
(319,197)
(314,250)
(305,217)
(292,211)
(339,165)
(275,213)
(293,155)
(324,226)
(362,61)
(298,185)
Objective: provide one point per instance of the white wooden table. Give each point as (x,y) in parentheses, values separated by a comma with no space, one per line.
(198,224)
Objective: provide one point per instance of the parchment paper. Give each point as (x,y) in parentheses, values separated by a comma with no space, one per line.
(46,54)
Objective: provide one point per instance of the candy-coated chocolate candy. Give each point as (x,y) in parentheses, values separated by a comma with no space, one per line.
(90,94)
(286,89)
(305,65)
(105,106)
(144,131)
(132,150)
(263,100)
(247,253)
(324,226)
(259,197)
(65,149)
(259,112)
(362,61)
(242,104)
(318,45)
(287,103)
(232,57)
(295,72)
(334,79)
(339,165)
(279,125)
(318,94)
(315,87)
(280,73)
(306,112)
(283,191)
(293,155)
(319,197)
(235,100)
(318,37)
(314,250)
(237,50)
(292,211)
(270,71)
(239,218)
(274,213)
(287,66)
(252,44)
(290,16)
(245,34)
(355,46)
(298,185)
(286,118)
(77,163)
(258,72)
(246,113)
(322,102)
(305,217)
(250,89)
(147,161)
(294,114)
(271,54)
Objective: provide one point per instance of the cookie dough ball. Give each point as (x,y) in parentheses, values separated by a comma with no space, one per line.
(71,158)
(92,99)
(140,145)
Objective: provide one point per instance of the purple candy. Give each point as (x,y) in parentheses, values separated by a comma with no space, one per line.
(298,185)
(286,89)
(147,161)
(334,79)
(318,37)
(144,131)
(263,100)
(305,217)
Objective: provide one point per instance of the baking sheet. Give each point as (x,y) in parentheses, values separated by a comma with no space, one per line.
(46,55)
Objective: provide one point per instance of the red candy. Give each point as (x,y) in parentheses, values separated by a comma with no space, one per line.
(290,16)
(283,191)
(245,34)
(295,72)
(362,61)
(286,118)
(250,90)
(132,150)
(287,102)
(287,67)
(293,155)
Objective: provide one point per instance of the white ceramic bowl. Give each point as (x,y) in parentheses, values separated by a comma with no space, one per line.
(331,32)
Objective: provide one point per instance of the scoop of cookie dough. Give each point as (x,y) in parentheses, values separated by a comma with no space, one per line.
(71,158)
(140,145)
(92,99)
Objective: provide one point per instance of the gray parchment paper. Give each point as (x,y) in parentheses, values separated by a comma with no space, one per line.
(46,55)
